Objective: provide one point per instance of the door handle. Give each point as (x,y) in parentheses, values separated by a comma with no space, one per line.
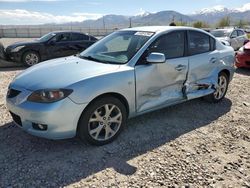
(180,67)
(213,60)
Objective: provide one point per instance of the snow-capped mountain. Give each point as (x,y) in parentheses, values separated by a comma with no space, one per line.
(214,10)
(214,14)
(219,9)
(142,13)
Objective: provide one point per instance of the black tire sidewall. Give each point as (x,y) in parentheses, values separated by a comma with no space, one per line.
(211,98)
(30,52)
(82,130)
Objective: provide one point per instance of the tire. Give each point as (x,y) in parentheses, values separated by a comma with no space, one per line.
(99,126)
(30,58)
(221,91)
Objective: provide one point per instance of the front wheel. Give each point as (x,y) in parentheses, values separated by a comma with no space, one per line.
(30,58)
(102,121)
(221,89)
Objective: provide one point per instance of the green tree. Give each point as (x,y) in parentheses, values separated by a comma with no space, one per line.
(224,22)
(181,23)
(200,24)
(241,23)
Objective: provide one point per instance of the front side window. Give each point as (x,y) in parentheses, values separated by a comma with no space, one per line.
(117,48)
(62,37)
(171,45)
(198,43)
(234,34)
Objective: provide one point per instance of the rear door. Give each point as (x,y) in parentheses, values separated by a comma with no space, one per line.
(161,84)
(241,37)
(203,61)
(234,40)
(79,42)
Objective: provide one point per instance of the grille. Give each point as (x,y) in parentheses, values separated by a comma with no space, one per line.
(12,93)
(16,119)
(247,51)
(248,62)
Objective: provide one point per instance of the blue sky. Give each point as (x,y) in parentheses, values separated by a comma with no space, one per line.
(42,11)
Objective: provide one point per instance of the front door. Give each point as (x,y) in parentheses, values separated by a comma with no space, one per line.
(161,84)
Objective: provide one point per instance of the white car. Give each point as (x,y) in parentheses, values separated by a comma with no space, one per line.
(233,37)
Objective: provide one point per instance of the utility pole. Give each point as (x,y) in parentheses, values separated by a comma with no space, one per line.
(130,22)
(103,21)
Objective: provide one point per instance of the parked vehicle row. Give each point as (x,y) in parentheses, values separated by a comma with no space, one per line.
(51,45)
(125,74)
(231,37)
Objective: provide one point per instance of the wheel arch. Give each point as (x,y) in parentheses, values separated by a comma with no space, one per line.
(109,94)
(227,72)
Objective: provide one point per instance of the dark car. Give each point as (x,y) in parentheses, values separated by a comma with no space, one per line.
(51,45)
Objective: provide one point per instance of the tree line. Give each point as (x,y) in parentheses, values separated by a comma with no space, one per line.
(224,22)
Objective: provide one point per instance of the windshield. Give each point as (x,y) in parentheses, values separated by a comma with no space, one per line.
(46,37)
(220,33)
(117,48)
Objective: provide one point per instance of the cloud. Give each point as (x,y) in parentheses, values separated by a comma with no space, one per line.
(25,17)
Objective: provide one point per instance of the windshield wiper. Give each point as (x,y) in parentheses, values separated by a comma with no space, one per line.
(93,59)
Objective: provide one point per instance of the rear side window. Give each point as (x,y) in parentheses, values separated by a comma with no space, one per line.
(199,43)
(171,45)
(76,36)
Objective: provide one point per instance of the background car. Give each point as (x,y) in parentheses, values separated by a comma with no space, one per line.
(243,56)
(127,73)
(51,45)
(233,37)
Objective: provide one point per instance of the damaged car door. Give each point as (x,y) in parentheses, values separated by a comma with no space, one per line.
(203,63)
(161,83)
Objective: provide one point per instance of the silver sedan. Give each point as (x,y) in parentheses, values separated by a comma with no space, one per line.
(128,73)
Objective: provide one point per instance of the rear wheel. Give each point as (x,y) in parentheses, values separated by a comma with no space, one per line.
(102,121)
(221,90)
(30,58)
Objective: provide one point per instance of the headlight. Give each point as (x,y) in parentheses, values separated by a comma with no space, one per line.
(49,96)
(16,49)
(241,49)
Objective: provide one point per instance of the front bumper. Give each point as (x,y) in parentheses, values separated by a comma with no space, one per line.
(242,60)
(60,117)
(13,56)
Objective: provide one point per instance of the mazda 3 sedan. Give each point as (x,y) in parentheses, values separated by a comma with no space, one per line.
(52,45)
(125,74)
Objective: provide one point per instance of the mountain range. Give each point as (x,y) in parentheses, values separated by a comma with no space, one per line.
(209,15)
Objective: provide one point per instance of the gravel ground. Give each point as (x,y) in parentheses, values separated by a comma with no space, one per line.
(194,144)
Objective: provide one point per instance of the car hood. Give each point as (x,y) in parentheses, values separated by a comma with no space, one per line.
(247,46)
(222,38)
(23,44)
(60,73)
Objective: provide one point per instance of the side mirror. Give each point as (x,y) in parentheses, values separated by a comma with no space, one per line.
(233,36)
(155,58)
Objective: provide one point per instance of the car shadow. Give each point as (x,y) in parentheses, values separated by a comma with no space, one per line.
(243,71)
(64,162)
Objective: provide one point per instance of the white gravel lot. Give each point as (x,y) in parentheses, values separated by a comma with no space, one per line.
(194,144)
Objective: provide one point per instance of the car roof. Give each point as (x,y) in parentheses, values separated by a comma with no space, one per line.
(159,29)
(58,32)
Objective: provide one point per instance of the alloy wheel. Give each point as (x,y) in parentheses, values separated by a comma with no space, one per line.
(105,122)
(222,87)
(31,59)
